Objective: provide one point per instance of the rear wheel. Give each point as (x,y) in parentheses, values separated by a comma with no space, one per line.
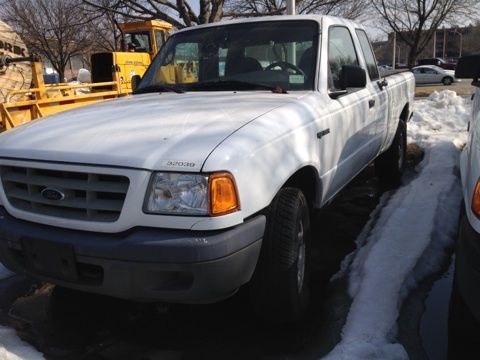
(279,288)
(447,80)
(390,165)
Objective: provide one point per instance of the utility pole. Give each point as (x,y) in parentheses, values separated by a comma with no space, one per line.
(290,7)
(394,36)
(292,48)
(456,31)
(435,44)
(394,49)
(444,41)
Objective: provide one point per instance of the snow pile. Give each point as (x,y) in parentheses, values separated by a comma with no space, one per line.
(12,348)
(444,114)
(412,234)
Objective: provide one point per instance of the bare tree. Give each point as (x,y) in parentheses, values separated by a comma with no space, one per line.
(415,22)
(179,13)
(471,45)
(53,29)
(104,23)
(248,8)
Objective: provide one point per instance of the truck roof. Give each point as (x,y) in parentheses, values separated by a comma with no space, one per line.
(145,24)
(317,18)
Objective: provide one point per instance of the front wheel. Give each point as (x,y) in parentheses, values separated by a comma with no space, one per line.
(279,288)
(390,165)
(447,81)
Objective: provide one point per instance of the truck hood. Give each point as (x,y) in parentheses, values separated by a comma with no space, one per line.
(152,131)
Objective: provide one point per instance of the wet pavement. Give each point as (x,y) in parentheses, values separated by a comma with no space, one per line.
(65,324)
(423,320)
(434,323)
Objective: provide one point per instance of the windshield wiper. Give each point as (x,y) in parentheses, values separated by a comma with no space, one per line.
(158,88)
(235,84)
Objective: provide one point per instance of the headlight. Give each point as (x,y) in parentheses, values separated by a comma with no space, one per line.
(192,194)
(172,193)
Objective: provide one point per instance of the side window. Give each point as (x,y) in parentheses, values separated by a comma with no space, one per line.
(159,38)
(368,54)
(341,51)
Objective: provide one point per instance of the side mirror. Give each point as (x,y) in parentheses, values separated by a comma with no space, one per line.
(135,81)
(352,76)
(468,67)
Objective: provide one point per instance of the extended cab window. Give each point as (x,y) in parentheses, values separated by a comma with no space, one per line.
(368,55)
(341,51)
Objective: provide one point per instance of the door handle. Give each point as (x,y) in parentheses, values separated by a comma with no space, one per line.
(323,133)
(371,103)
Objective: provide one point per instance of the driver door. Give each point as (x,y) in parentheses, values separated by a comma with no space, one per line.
(347,125)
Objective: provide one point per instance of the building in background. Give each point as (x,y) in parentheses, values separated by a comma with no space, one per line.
(447,43)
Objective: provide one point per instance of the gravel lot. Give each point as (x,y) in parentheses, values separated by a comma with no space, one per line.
(462,88)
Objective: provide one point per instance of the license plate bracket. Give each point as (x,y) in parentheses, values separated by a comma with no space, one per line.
(50,259)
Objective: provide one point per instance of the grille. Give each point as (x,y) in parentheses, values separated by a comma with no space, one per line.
(90,197)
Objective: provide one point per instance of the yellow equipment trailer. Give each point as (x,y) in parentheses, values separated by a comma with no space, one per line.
(111,77)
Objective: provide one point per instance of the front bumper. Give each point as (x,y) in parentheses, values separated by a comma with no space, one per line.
(467,266)
(143,264)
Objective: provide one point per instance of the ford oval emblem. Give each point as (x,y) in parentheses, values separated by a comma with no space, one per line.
(52,194)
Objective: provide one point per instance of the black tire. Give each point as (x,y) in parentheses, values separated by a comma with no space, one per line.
(279,288)
(390,165)
(447,80)
(463,328)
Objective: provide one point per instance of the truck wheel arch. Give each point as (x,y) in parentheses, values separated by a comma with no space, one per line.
(404,115)
(307,180)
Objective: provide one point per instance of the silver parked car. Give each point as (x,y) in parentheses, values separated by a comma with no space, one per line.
(431,74)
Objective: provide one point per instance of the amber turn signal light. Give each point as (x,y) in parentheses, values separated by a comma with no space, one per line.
(476,199)
(223,194)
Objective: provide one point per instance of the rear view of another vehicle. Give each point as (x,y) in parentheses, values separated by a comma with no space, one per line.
(465,303)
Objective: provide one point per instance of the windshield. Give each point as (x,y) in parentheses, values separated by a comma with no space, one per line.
(138,41)
(256,55)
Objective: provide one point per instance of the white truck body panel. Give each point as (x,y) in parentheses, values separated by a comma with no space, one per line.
(129,132)
(261,137)
(470,163)
(83,206)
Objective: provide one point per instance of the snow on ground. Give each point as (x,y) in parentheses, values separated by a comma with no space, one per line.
(411,234)
(12,348)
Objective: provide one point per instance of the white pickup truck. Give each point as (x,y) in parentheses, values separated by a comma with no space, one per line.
(190,189)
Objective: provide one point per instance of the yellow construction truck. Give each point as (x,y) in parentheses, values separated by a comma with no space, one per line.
(24,96)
